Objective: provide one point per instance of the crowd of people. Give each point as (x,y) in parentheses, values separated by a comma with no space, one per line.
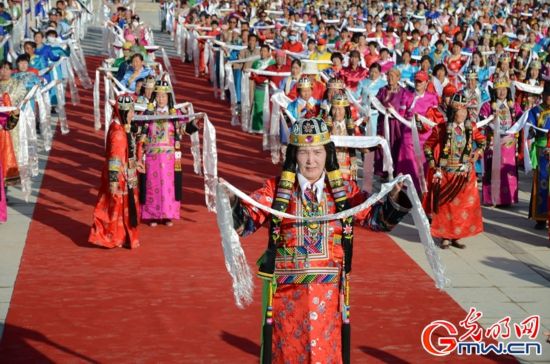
(40,60)
(459,91)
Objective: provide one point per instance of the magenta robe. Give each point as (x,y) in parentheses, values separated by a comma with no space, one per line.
(406,160)
(507,183)
(160,202)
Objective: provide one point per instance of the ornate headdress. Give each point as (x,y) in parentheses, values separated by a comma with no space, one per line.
(309,132)
(150,82)
(536,64)
(340,100)
(505,57)
(471,74)
(162,86)
(304,82)
(459,101)
(502,82)
(125,102)
(336,84)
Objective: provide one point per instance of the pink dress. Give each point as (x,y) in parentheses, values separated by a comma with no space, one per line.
(160,194)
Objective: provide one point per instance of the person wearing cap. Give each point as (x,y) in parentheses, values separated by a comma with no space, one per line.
(500,180)
(62,27)
(310,70)
(159,147)
(309,322)
(305,105)
(423,103)
(341,122)
(116,214)
(539,116)
(321,55)
(122,63)
(453,198)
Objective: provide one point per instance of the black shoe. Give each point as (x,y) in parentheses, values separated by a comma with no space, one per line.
(540,225)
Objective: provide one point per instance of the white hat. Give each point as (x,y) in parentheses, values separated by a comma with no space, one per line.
(309,68)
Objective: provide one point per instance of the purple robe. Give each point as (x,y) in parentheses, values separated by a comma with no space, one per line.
(160,201)
(507,183)
(406,160)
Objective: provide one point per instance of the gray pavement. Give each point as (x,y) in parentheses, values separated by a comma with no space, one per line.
(504,271)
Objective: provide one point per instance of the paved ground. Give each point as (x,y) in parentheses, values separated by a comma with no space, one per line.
(504,271)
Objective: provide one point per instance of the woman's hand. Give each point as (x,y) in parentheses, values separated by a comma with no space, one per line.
(140,167)
(395,191)
(230,195)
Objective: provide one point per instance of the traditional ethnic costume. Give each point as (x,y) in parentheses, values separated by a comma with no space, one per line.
(12,92)
(500,180)
(160,147)
(424,105)
(347,159)
(116,212)
(453,198)
(539,116)
(306,265)
(259,95)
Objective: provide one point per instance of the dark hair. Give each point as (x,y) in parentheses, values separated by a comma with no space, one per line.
(22,58)
(296,61)
(354,53)
(136,55)
(337,55)
(438,67)
(5,63)
(31,43)
(375,65)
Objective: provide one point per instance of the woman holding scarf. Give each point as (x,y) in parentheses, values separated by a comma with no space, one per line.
(160,150)
(500,180)
(116,212)
(452,198)
(306,265)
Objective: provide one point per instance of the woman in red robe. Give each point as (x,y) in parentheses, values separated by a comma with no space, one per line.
(453,197)
(116,212)
(306,265)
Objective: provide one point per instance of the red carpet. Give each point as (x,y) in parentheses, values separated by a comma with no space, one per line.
(170,300)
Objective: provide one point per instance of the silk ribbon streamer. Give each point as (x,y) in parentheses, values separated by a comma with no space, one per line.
(235,259)
(245,102)
(496,162)
(97,112)
(231,239)
(210,164)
